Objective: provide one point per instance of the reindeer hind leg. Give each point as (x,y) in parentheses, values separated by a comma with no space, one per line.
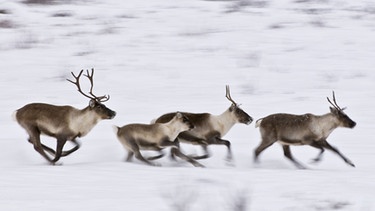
(34,139)
(266,142)
(136,151)
(157,156)
(288,154)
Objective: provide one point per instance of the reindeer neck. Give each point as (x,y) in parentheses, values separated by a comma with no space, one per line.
(82,121)
(225,122)
(326,123)
(174,128)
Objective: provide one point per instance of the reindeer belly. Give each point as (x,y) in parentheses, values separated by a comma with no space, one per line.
(290,142)
(147,145)
(297,140)
(49,129)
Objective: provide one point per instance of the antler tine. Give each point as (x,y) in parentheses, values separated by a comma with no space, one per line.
(78,84)
(227,94)
(101,99)
(334,100)
(91,79)
(334,104)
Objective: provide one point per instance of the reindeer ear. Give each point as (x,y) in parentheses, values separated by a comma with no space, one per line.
(232,107)
(333,110)
(92,103)
(178,115)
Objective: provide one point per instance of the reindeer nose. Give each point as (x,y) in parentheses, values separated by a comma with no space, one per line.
(249,120)
(353,124)
(112,114)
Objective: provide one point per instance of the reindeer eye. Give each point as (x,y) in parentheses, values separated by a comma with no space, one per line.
(99,106)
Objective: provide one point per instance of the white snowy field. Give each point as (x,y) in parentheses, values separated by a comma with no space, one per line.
(159,56)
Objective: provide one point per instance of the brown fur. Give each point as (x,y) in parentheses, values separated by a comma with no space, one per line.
(155,137)
(209,129)
(307,129)
(64,123)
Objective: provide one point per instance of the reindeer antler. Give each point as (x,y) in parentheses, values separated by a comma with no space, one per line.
(103,98)
(227,94)
(334,104)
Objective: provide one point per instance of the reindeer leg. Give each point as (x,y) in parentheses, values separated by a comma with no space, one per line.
(288,154)
(263,145)
(60,144)
(179,154)
(318,146)
(196,141)
(130,156)
(49,150)
(326,145)
(157,156)
(75,148)
(140,157)
(135,150)
(220,141)
(35,140)
(177,144)
(64,153)
(206,154)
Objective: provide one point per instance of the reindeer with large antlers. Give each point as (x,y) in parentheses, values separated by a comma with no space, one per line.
(209,129)
(65,123)
(307,129)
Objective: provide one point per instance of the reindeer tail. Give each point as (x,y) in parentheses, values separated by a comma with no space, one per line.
(14,115)
(257,123)
(115,129)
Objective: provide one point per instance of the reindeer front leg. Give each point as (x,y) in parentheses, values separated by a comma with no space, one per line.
(326,145)
(219,141)
(63,153)
(60,145)
(196,141)
(75,148)
(179,154)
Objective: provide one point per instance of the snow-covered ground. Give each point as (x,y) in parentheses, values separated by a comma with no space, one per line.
(158,56)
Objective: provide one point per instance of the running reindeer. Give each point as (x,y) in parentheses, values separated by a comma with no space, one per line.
(65,123)
(155,137)
(307,129)
(209,129)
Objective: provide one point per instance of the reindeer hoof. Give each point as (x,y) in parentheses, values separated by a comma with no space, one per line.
(156,164)
(199,165)
(315,161)
(351,164)
(230,163)
(55,164)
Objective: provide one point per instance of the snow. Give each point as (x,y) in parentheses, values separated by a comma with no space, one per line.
(159,56)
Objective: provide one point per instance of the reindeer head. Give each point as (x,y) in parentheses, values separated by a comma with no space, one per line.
(338,112)
(184,121)
(240,115)
(96,103)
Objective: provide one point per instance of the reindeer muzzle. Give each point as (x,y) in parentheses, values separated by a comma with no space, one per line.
(352,124)
(111,114)
(248,121)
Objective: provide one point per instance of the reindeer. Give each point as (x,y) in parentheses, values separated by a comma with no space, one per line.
(209,129)
(307,129)
(155,137)
(65,123)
